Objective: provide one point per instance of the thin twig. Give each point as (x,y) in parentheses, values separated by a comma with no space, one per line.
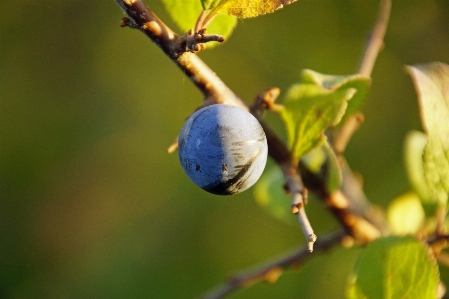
(346,132)
(345,208)
(374,45)
(273,270)
(376,40)
(358,210)
(298,193)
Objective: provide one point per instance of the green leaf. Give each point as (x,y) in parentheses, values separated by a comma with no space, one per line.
(210,4)
(270,195)
(185,13)
(405,214)
(334,82)
(432,85)
(243,8)
(394,268)
(309,109)
(323,159)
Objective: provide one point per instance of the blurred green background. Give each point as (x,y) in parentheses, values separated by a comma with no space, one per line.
(91,204)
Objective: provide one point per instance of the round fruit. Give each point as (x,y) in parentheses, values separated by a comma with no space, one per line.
(223,149)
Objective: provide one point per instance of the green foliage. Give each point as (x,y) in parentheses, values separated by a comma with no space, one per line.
(270,195)
(394,268)
(333,82)
(432,182)
(243,8)
(185,14)
(405,214)
(415,143)
(317,103)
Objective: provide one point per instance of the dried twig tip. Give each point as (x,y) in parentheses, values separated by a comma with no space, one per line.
(311,240)
(124,22)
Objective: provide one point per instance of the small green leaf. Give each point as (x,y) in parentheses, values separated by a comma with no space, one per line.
(185,13)
(244,8)
(270,195)
(405,214)
(309,109)
(432,85)
(415,143)
(334,82)
(394,268)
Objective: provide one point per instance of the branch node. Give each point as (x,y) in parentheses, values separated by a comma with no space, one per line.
(195,42)
(273,274)
(305,195)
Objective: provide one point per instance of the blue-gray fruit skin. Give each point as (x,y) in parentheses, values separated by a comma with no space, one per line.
(223,149)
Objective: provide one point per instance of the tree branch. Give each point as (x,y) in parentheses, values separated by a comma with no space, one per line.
(272,271)
(215,91)
(374,45)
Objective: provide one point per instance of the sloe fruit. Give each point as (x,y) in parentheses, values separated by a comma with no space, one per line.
(223,149)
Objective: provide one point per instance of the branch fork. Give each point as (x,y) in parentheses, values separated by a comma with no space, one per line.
(142,18)
(196,41)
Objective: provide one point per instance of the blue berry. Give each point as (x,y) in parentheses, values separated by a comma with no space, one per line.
(223,149)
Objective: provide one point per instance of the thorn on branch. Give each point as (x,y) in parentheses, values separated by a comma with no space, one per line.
(196,41)
(127,22)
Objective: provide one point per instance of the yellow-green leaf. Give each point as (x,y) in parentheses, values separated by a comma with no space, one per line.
(394,268)
(405,214)
(244,8)
(415,143)
(317,103)
(334,82)
(432,85)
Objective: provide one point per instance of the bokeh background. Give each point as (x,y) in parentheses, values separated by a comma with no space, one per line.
(91,204)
